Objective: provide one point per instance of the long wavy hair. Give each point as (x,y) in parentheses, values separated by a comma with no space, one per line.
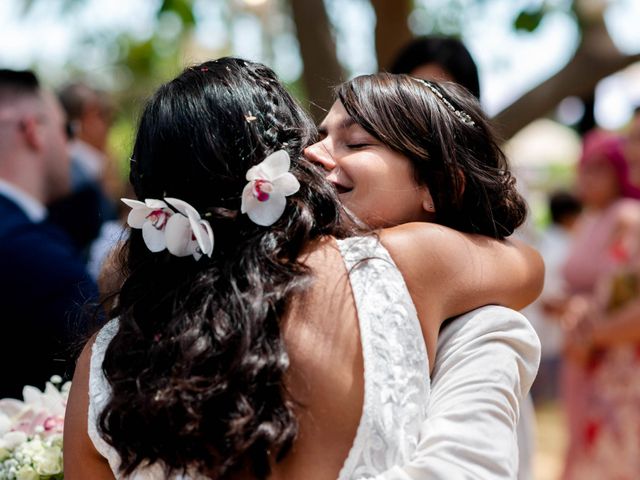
(198,362)
(461,163)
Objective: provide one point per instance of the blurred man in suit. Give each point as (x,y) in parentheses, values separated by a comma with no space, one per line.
(94,180)
(43,284)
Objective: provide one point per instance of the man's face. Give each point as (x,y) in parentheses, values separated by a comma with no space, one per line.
(55,149)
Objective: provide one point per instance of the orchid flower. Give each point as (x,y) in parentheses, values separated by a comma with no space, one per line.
(186,233)
(270,182)
(41,412)
(151,216)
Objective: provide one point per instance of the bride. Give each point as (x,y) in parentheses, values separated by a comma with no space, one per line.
(259,333)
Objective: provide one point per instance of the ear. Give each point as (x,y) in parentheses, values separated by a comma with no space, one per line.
(427,201)
(31,134)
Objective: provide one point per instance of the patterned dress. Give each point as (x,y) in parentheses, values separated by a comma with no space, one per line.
(602,397)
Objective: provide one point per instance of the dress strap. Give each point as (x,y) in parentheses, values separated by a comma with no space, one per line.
(396,366)
(100,391)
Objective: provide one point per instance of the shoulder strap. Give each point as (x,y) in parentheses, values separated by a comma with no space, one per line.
(396,369)
(100,391)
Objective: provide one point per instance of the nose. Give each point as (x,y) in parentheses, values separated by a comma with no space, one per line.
(318,153)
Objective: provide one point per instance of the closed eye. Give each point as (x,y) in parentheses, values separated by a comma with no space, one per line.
(356,146)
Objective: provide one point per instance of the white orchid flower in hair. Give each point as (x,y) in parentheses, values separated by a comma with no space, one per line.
(270,182)
(151,216)
(186,233)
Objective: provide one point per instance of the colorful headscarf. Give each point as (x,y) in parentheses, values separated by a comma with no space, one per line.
(602,146)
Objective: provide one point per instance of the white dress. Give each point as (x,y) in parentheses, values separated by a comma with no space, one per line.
(459,425)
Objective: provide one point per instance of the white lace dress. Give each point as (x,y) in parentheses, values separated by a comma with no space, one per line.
(488,364)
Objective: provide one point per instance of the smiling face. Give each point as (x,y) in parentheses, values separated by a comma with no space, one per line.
(375,183)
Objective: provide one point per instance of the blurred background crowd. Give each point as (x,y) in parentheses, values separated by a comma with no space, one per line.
(561,79)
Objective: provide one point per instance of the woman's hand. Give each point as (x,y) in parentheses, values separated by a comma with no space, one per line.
(578,344)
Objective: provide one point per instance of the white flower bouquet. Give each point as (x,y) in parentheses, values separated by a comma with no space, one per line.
(31,433)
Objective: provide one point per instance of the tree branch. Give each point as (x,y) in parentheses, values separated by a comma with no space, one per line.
(392,29)
(317,47)
(596,58)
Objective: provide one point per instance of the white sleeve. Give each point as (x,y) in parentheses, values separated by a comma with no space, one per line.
(485,364)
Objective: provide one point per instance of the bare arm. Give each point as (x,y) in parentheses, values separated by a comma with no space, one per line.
(81,460)
(621,327)
(451,273)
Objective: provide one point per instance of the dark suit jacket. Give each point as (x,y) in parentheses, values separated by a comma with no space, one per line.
(44,289)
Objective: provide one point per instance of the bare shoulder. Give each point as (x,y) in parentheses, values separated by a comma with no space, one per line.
(410,236)
(463,271)
(319,252)
(327,297)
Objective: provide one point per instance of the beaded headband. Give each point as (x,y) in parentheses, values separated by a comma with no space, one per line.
(461,114)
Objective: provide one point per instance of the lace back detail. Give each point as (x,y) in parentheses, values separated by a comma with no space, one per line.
(396,366)
(396,369)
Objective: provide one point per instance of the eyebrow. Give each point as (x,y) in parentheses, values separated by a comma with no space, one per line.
(345,124)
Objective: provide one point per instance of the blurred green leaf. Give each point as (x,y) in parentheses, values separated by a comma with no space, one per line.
(182,8)
(529,20)
(140,58)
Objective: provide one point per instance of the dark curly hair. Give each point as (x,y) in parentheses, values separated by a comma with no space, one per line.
(197,365)
(461,163)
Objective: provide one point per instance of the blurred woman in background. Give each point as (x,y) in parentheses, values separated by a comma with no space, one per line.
(601,370)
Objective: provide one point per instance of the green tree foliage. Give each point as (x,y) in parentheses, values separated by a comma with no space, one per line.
(139,64)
